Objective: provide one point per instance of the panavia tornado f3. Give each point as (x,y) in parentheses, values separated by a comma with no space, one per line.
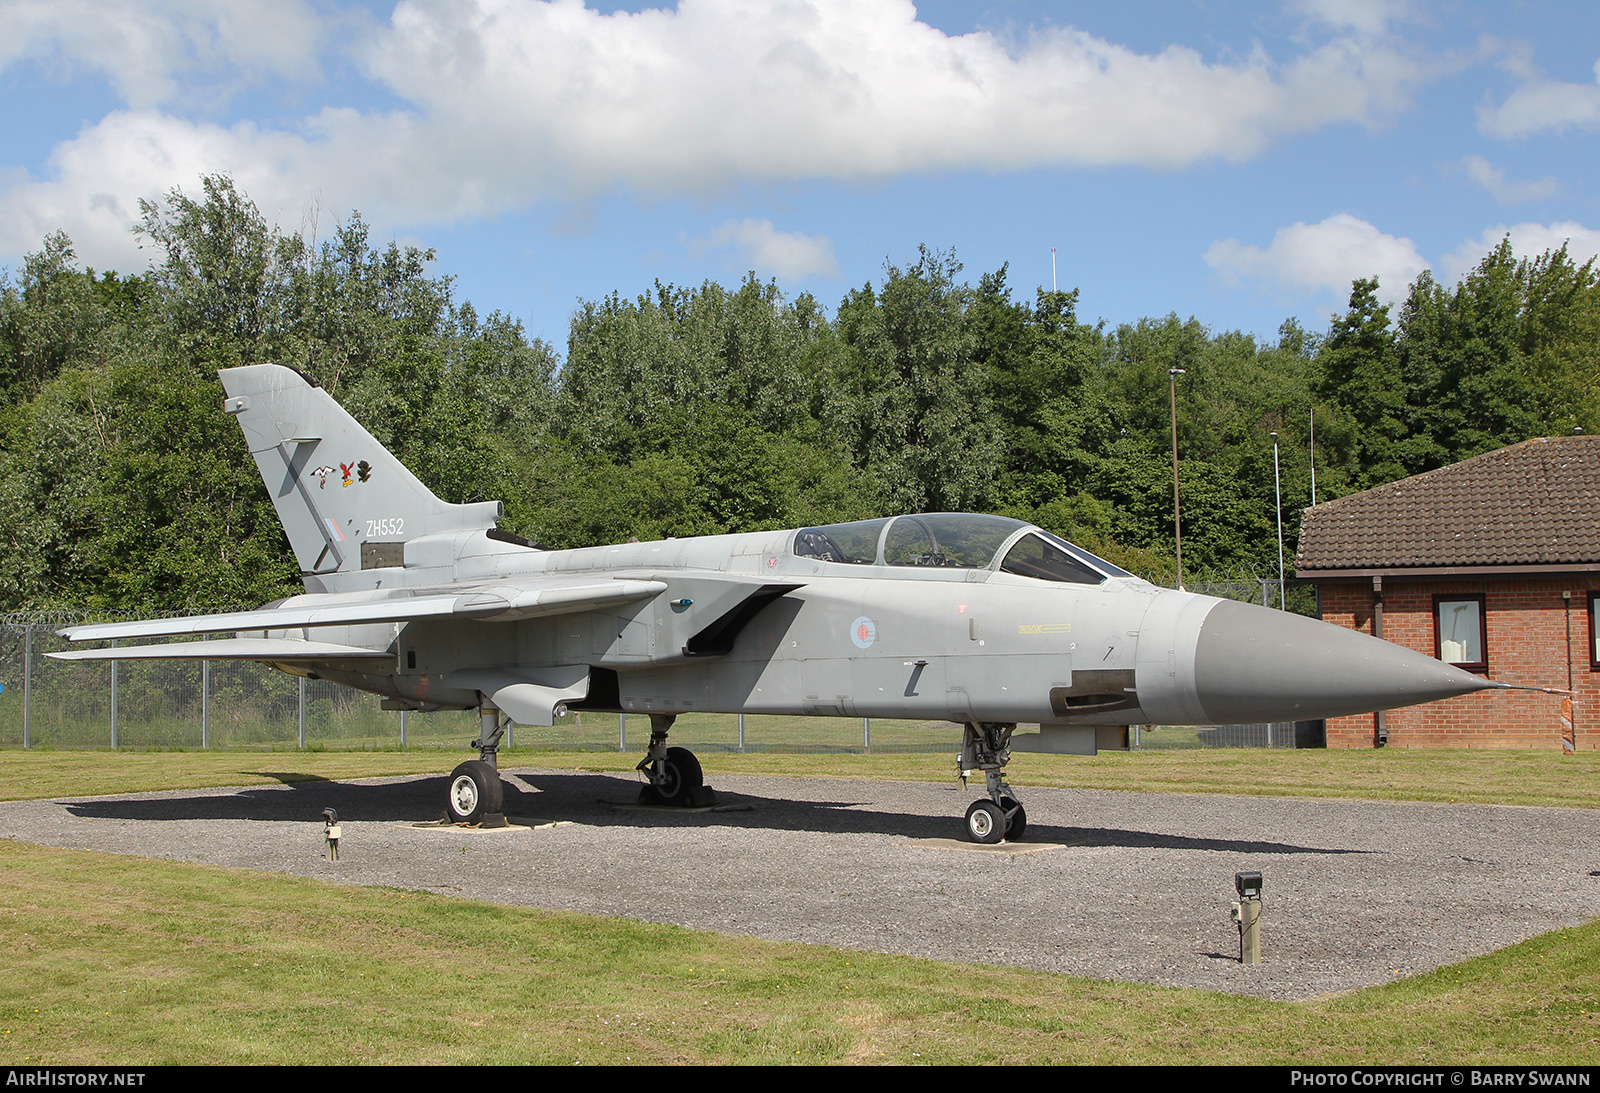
(986,621)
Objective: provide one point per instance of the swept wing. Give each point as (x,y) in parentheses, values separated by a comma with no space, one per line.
(280,650)
(494,604)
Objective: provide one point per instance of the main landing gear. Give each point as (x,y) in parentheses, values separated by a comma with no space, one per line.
(674,773)
(986,746)
(476,794)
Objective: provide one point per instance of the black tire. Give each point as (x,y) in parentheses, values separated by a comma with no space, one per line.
(681,776)
(475,791)
(985,822)
(1017,824)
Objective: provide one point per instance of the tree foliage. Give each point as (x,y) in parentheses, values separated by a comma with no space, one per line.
(1508,354)
(908,393)
(125,486)
(699,410)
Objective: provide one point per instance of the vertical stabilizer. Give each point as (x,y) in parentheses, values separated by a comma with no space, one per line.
(336,489)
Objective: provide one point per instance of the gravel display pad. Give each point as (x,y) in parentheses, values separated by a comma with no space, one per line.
(1128,886)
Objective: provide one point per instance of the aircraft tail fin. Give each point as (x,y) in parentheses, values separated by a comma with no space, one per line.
(345,502)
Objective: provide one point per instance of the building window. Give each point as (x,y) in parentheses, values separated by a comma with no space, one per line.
(1460,635)
(1594,631)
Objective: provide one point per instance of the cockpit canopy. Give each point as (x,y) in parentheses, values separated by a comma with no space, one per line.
(955,540)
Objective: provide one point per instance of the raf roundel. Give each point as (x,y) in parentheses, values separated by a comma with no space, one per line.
(863,632)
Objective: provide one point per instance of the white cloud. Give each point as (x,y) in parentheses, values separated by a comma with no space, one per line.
(757,245)
(101,175)
(518,101)
(1329,255)
(144,49)
(1365,16)
(1528,240)
(1504,191)
(844,89)
(1541,104)
(1323,257)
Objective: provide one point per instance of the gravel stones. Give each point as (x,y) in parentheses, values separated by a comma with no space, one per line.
(1126,886)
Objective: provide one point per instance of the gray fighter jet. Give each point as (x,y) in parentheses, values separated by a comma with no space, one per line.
(983,620)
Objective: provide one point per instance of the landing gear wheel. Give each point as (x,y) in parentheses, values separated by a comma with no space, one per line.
(985,822)
(1017,824)
(474,791)
(680,776)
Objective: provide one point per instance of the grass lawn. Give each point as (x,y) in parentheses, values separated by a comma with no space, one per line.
(134,962)
(1482,777)
(130,961)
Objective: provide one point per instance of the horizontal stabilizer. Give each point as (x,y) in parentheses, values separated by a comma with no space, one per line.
(276,649)
(497,604)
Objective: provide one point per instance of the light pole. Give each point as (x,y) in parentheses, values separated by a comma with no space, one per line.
(1177,522)
(1277,497)
(1313,455)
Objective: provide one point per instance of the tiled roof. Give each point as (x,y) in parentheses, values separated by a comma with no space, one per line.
(1534,503)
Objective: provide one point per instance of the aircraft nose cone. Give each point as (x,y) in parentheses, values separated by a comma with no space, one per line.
(1253,664)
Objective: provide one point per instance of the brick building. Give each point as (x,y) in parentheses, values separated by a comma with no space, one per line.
(1492,564)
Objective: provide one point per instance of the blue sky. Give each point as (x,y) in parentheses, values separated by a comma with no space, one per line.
(1238,162)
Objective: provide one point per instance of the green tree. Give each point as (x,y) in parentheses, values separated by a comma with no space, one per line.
(639,371)
(1359,375)
(1042,373)
(909,394)
(1507,355)
(220,278)
(1560,337)
(126,488)
(59,316)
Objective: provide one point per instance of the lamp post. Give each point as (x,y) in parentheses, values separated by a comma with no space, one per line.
(1177,522)
(1277,497)
(1313,455)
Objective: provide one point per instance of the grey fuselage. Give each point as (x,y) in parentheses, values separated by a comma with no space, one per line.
(874,640)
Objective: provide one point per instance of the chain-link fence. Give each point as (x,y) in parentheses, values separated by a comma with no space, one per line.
(229,704)
(1299,597)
